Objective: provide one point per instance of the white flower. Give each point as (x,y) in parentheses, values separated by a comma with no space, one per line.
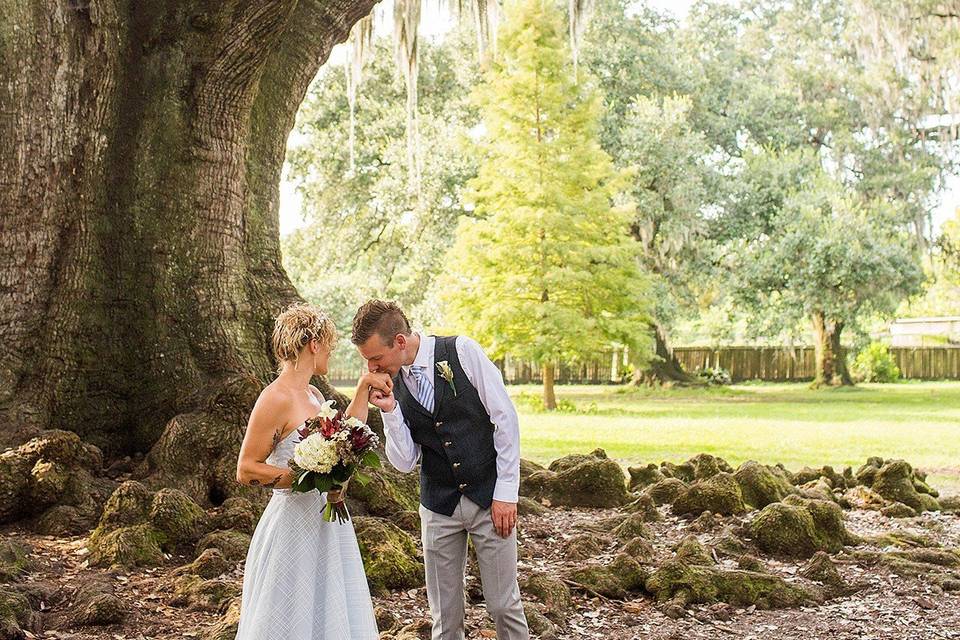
(316,453)
(447,374)
(328,411)
(354,422)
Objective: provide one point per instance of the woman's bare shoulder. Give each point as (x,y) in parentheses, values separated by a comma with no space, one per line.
(273,397)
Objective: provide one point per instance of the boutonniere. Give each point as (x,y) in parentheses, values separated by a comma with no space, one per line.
(447,374)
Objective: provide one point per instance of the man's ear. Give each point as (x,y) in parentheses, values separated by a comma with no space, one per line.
(401,341)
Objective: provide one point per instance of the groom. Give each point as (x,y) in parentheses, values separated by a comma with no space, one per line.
(450,411)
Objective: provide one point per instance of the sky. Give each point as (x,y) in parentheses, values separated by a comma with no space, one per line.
(435,22)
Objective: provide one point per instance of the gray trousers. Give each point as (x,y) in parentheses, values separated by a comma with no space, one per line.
(445,559)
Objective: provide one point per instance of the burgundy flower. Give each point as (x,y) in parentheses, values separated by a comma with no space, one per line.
(329,427)
(360,438)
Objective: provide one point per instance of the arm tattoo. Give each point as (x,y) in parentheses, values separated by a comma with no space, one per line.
(255,482)
(276,439)
(273,482)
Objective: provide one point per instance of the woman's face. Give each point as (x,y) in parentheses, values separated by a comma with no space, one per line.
(322,353)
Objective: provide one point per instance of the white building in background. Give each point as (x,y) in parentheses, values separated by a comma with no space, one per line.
(925,332)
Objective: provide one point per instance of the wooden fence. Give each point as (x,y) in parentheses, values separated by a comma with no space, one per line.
(743,363)
(751,363)
(798,363)
(345,370)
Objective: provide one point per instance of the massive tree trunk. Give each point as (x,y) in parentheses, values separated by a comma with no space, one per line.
(549,394)
(664,367)
(831,361)
(141,146)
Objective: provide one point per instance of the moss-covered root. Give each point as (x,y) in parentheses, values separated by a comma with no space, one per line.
(798,528)
(16,615)
(181,520)
(211,563)
(134,546)
(55,470)
(822,569)
(14,559)
(678,583)
(643,476)
(666,491)
(387,493)
(615,579)
(584,546)
(632,526)
(96,604)
(389,555)
(580,481)
(646,507)
(898,482)
(939,566)
(552,592)
(226,629)
(762,485)
(720,494)
(233,545)
(198,594)
(692,551)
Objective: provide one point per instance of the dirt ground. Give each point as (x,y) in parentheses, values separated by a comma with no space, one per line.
(886,607)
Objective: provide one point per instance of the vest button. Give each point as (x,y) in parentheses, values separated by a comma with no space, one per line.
(447,443)
(456,464)
(439,424)
(463,486)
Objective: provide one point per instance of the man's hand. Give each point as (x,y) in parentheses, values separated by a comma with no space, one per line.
(504,516)
(382,400)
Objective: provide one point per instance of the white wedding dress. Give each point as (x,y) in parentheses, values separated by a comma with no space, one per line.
(304,577)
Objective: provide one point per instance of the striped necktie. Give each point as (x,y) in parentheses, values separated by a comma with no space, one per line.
(424,387)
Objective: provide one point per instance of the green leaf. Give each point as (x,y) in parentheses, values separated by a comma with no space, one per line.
(371,459)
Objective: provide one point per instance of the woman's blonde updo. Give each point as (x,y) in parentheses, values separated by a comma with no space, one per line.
(296,327)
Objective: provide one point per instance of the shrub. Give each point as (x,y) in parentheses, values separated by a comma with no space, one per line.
(875,364)
(714,375)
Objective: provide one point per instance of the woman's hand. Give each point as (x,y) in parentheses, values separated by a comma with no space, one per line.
(369,383)
(380,381)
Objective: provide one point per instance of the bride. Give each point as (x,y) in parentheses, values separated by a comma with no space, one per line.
(304,579)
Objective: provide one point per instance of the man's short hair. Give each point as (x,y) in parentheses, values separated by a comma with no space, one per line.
(380,317)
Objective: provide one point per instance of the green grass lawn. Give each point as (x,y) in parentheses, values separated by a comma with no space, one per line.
(788,423)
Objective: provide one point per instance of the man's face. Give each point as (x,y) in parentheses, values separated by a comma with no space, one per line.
(381,358)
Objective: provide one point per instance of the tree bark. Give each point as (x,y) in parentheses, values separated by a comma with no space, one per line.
(141,146)
(549,397)
(831,362)
(665,367)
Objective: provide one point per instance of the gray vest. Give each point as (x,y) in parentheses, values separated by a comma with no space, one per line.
(456,440)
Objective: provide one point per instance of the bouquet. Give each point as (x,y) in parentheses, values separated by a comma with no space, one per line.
(332,450)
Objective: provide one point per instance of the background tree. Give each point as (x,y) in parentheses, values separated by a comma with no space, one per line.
(797,116)
(826,259)
(670,184)
(636,55)
(369,232)
(941,291)
(546,271)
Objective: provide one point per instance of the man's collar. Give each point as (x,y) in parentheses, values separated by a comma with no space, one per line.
(425,352)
